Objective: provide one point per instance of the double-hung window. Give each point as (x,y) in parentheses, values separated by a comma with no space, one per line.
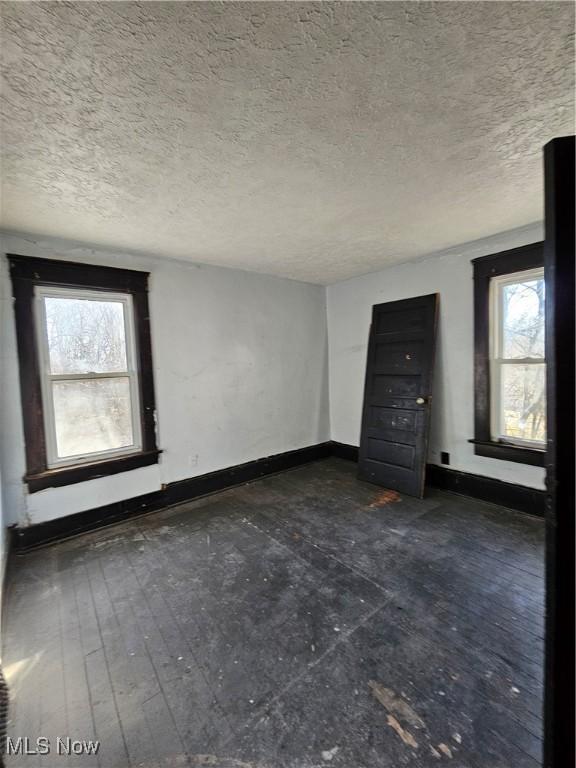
(85,370)
(517,360)
(510,356)
(89,374)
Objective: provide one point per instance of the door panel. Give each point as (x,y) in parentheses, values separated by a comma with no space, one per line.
(401,321)
(393,423)
(396,415)
(400,356)
(395,386)
(396,454)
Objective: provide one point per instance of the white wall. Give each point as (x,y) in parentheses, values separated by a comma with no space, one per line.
(240,369)
(349,307)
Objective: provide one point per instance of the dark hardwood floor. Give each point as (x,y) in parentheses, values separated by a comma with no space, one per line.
(304,620)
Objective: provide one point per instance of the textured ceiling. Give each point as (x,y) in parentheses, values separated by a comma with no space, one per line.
(310,140)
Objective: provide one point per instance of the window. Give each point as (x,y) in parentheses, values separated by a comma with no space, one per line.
(510,365)
(89,374)
(517,364)
(85,370)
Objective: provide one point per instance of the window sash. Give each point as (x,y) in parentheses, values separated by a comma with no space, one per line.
(497,361)
(47,377)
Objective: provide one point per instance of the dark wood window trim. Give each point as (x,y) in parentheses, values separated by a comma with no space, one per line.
(28,272)
(486,267)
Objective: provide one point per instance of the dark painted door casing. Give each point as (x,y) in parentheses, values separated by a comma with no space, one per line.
(397,394)
(559,269)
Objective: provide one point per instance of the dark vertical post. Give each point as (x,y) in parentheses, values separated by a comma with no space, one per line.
(559,256)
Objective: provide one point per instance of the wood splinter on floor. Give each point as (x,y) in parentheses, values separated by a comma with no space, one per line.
(445,749)
(395,705)
(406,736)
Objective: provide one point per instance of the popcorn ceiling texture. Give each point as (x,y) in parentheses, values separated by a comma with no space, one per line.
(314,141)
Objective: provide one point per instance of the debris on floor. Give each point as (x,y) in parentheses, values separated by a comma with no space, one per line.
(385,497)
(395,705)
(328,754)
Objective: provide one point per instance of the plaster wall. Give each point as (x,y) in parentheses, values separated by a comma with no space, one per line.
(349,306)
(247,366)
(240,370)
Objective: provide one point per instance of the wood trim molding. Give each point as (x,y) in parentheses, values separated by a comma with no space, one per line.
(30,387)
(510,495)
(486,267)
(343,451)
(25,538)
(560,248)
(27,272)
(509,452)
(77,274)
(495,491)
(55,478)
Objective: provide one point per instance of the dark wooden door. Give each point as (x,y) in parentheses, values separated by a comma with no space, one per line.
(396,414)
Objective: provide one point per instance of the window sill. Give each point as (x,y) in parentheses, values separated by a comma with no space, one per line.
(54,478)
(509,452)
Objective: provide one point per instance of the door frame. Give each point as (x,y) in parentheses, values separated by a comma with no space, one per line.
(559,257)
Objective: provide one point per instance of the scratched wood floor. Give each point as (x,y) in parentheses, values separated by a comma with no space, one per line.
(304,620)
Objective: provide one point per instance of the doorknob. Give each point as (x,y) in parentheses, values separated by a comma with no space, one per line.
(420,400)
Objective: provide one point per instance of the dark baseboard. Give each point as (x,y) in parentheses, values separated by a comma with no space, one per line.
(520,497)
(344,451)
(509,495)
(184,490)
(24,538)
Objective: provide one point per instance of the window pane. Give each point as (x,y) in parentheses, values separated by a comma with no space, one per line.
(524,401)
(92,415)
(523,308)
(85,335)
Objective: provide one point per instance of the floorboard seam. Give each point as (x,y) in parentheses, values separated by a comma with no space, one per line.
(363,575)
(258,717)
(391,596)
(113,692)
(160,690)
(258,618)
(181,632)
(328,555)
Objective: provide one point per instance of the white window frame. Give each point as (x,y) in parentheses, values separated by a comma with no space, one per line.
(496,359)
(47,377)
